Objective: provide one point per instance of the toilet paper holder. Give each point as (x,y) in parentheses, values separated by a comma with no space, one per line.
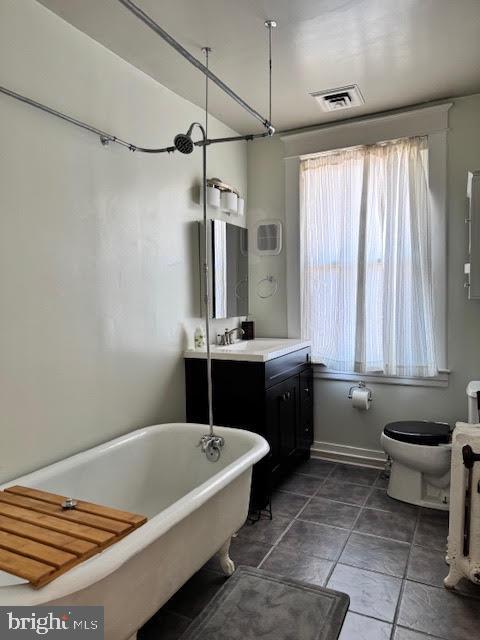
(362,387)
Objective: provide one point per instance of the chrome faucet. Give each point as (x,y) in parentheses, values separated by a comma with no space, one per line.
(211,446)
(228,336)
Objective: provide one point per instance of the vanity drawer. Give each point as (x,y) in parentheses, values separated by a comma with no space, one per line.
(286,366)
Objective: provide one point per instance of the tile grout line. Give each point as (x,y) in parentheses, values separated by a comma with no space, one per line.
(362,533)
(349,504)
(360,511)
(352,566)
(279,539)
(373,487)
(461,594)
(311,475)
(331,471)
(294,519)
(343,484)
(337,562)
(427,635)
(351,530)
(362,508)
(404,579)
(369,570)
(376,571)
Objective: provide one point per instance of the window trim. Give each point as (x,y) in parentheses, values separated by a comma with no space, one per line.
(425,121)
(321,372)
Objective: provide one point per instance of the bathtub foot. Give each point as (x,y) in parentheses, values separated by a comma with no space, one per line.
(227,564)
(453,578)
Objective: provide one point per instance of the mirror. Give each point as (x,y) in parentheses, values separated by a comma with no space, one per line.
(229,247)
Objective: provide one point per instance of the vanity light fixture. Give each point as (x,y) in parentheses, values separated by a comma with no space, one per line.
(222,196)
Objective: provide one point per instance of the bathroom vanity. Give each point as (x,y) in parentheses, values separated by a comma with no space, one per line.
(264,386)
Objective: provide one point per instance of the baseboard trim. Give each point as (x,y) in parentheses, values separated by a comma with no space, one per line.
(353,455)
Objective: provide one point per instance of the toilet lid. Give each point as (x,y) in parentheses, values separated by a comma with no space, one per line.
(418,432)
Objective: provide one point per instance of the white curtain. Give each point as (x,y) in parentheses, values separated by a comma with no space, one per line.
(366,273)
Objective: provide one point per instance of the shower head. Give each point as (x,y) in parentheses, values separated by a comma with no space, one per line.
(183,141)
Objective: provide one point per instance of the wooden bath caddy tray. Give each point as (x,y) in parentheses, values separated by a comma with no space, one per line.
(39,540)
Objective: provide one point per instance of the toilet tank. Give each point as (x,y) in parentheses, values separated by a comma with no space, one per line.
(473,388)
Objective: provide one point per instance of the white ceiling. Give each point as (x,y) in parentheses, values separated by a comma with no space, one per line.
(399,52)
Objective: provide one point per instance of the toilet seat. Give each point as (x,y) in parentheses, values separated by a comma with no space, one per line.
(420,432)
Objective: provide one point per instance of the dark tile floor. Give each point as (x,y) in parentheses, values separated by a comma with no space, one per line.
(334,525)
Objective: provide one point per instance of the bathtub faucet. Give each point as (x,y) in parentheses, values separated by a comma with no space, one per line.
(211,446)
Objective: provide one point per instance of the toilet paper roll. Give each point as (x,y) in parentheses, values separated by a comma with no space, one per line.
(360,399)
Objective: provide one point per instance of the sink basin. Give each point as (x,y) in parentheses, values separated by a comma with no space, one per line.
(251,345)
(258,350)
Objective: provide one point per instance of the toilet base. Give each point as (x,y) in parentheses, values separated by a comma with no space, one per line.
(409,485)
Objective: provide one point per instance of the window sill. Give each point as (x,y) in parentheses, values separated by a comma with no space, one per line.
(322,373)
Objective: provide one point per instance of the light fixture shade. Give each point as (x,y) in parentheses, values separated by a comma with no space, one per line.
(241,207)
(229,201)
(213,197)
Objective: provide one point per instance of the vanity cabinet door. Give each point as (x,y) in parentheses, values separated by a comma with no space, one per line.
(245,396)
(305,424)
(282,422)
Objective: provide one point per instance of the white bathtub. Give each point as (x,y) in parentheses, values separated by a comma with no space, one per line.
(193,506)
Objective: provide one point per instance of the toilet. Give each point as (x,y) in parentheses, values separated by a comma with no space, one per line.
(420,453)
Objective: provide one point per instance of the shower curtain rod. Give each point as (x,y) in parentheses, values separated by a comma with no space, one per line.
(106,138)
(103,135)
(154,26)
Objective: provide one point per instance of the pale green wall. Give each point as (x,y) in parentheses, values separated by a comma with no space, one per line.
(98,265)
(335,420)
(266,200)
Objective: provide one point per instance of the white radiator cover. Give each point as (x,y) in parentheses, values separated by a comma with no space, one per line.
(464,566)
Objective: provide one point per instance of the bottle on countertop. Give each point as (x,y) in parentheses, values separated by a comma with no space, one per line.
(199,338)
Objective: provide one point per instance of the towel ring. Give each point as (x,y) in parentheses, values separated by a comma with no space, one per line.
(270,291)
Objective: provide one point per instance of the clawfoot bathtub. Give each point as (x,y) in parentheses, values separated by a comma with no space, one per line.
(193,505)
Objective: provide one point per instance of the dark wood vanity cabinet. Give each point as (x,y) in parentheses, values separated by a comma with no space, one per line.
(273,398)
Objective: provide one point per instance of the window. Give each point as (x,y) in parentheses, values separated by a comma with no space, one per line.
(365,259)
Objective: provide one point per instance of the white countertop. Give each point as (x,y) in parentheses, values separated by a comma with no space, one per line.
(258,350)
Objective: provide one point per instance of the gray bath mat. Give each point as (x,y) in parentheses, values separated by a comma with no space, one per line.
(254,604)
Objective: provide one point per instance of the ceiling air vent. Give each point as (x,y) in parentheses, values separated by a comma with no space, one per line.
(341,98)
